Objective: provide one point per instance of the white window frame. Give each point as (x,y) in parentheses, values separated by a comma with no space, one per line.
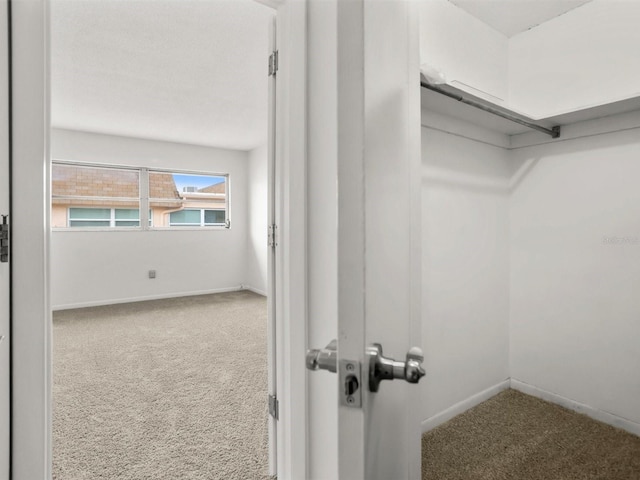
(227,199)
(144,201)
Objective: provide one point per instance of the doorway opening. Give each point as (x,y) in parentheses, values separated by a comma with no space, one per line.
(159,255)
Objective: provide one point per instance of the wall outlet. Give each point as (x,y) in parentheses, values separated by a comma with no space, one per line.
(152,274)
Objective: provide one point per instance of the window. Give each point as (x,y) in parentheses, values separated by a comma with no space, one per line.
(88,196)
(197,218)
(105,217)
(188,200)
(92,196)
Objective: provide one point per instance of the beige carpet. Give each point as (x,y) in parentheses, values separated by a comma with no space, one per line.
(515,436)
(168,389)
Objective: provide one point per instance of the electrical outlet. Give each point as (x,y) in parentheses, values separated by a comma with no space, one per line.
(152,274)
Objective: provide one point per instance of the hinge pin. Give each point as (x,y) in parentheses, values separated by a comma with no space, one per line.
(271,236)
(273,63)
(274,406)
(4,239)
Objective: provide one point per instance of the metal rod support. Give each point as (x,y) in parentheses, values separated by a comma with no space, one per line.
(554,132)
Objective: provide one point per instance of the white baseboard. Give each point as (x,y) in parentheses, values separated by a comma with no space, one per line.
(463,406)
(255,290)
(100,303)
(600,415)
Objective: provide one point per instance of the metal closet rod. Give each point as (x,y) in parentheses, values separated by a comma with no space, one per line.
(553,131)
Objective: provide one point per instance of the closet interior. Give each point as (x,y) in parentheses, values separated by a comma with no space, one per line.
(531,228)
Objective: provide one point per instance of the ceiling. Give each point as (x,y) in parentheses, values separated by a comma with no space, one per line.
(182,70)
(511,17)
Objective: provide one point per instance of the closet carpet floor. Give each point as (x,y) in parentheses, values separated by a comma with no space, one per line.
(170,389)
(516,436)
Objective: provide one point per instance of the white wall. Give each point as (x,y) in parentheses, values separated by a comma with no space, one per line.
(585,57)
(465,269)
(531,270)
(256,258)
(89,268)
(575,271)
(464,48)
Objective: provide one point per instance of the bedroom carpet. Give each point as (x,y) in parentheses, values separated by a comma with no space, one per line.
(513,436)
(170,389)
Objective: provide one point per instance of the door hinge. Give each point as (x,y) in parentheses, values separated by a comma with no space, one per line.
(4,239)
(274,407)
(273,63)
(271,236)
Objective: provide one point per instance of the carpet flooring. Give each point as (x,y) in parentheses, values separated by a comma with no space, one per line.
(516,436)
(166,389)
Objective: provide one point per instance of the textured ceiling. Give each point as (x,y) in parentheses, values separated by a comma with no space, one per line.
(511,17)
(181,70)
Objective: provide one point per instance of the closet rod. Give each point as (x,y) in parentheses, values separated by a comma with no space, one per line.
(553,131)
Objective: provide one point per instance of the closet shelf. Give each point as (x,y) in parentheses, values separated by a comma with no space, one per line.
(476,110)
(443,99)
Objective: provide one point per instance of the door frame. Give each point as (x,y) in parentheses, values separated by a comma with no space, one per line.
(31,338)
(291,258)
(5,268)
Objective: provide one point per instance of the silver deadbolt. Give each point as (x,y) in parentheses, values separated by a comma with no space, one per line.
(383,368)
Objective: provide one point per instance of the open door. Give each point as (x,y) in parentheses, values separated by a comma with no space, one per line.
(378,244)
(4,260)
(271,254)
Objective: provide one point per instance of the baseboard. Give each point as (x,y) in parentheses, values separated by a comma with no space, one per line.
(254,290)
(463,406)
(100,303)
(600,415)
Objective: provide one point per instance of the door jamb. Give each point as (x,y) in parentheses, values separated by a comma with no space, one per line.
(31,382)
(291,263)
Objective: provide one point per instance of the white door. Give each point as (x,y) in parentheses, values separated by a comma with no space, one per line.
(4,266)
(271,254)
(377,106)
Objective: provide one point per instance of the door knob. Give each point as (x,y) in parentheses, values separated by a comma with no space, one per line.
(383,368)
(324,358)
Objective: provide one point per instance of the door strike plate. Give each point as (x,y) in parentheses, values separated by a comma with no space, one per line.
(350,383)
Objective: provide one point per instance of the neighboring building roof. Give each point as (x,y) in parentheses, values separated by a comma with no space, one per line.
(215,188)
(75,181)
(80,181)
(162,186)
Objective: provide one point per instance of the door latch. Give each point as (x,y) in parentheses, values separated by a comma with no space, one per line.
(4,239)
(383,368)
(349,376)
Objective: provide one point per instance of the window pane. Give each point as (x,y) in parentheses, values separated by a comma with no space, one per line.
(213,217)
(80,187)
(127,213)
(88,223)
(82,181)
(171,191)
(185,217)
(89,213)
(127,223)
